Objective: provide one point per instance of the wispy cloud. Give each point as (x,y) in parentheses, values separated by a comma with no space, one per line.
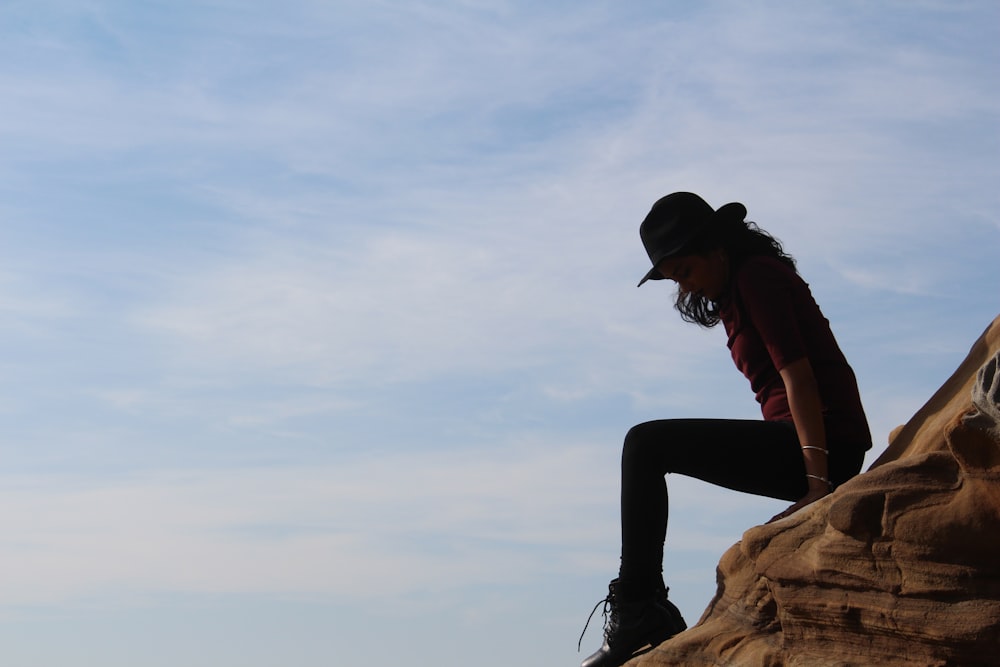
(337,529)
(341,297)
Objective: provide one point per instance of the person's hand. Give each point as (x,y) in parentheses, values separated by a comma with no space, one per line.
(808,499)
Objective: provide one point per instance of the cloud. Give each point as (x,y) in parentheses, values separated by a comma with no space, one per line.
(340,300)
(393,523)
(368,527)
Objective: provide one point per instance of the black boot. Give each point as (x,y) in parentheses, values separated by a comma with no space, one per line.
(633,626)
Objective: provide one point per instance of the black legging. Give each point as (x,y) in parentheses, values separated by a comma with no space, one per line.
(758,457)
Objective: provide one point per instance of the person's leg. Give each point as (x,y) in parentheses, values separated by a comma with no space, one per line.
(743,455)
(756,457)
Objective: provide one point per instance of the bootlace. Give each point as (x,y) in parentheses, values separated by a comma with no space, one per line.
(608,607)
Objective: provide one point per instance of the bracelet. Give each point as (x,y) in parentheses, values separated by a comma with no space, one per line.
(818,449)
(822,479)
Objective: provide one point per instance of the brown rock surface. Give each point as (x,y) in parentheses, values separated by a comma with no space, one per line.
(901,566)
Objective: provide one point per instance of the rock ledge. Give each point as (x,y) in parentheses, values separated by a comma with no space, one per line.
(901,566)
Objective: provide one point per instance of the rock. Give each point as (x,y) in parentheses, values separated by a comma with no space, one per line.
(900,566)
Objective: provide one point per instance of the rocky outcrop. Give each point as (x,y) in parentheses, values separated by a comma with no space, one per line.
(900,566)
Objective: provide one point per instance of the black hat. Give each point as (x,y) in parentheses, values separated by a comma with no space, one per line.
(674,220)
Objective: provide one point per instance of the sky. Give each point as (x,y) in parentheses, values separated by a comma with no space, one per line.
(320,323)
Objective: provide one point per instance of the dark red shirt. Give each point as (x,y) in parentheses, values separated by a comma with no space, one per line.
(773,320)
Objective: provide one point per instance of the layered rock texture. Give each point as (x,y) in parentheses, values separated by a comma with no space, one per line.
(900,566)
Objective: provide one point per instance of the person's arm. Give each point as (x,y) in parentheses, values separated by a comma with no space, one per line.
(807,414)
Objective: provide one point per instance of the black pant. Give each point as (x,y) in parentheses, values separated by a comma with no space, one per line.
(758,457)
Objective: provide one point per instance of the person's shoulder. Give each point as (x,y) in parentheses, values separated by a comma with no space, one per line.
(759,268)
(766,263)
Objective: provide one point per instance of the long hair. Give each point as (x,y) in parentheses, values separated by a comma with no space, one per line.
(739,240)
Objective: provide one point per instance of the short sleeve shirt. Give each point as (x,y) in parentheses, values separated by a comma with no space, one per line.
(772,320)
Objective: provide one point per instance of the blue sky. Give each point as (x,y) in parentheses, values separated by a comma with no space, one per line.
(320,318)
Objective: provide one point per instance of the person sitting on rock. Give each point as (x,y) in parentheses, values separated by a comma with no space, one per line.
(814,432)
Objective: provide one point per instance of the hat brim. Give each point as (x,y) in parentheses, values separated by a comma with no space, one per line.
(731,211)
(654,274)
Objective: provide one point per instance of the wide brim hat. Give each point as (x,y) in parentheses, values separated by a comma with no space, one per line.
(675,220)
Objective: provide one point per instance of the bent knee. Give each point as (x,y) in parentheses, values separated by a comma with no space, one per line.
(645,443)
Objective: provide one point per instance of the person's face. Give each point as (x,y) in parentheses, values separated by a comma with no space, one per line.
(706,275)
